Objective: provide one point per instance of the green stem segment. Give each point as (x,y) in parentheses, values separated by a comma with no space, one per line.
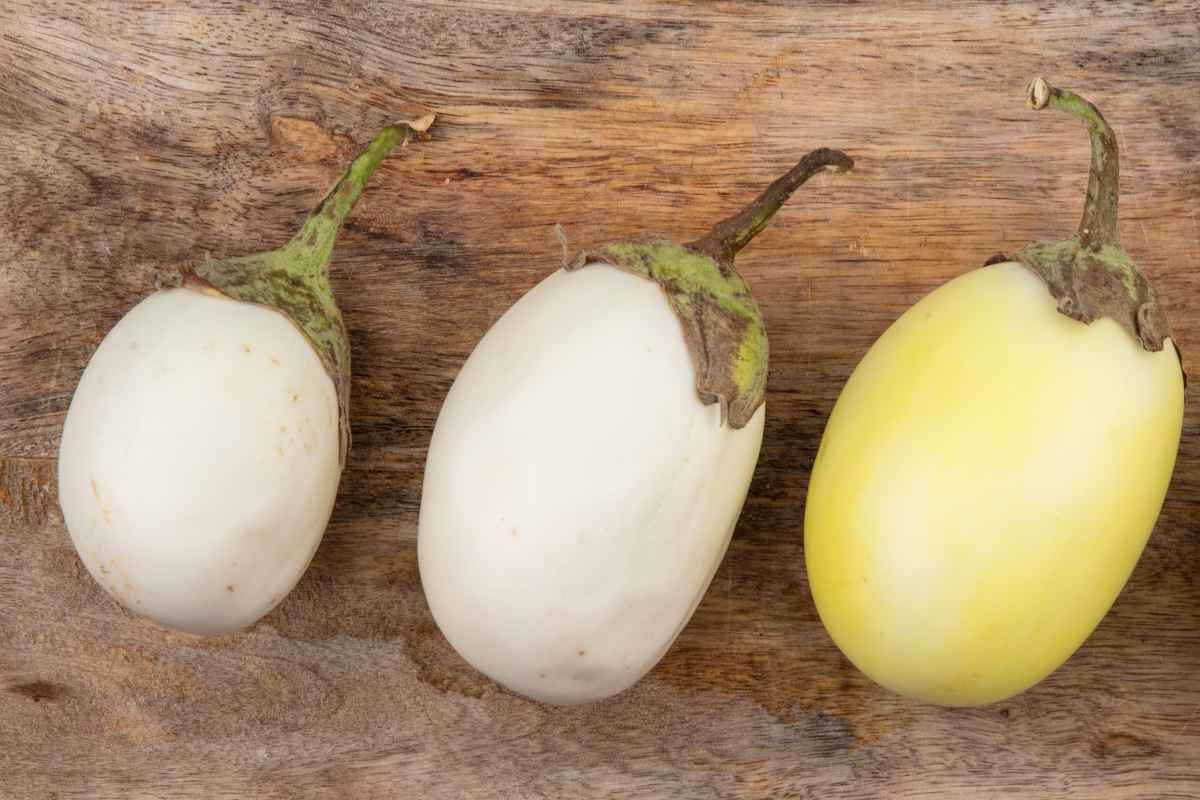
(1099,224)
(1089,275)
(294,279)
(731,234)
(721,322)
(316,237)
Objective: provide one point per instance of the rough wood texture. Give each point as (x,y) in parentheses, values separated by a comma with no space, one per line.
(139,135)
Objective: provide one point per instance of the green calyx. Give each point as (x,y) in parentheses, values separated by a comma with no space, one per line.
(722,324)
(294,279)
(1090,275)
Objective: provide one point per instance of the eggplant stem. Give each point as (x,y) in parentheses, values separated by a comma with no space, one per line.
(319,232)
(1098,227)
(730,235)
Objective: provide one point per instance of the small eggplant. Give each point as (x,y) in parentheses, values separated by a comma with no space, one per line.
(592,457)
(995,464)
(203,447)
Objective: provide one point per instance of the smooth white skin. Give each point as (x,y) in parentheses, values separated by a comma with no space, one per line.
(199,460)
(578,496)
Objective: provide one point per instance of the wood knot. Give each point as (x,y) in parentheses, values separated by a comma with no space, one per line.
(37,691)
(305,140)
(1124,746)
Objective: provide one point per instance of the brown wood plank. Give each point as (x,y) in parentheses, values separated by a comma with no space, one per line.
(140,135)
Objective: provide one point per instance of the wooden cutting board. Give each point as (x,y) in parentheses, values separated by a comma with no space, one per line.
(138,136)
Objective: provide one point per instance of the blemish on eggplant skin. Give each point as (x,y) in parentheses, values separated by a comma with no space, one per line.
(104,510)
(37,691)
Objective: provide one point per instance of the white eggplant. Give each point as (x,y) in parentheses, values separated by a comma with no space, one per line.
(203,447)
(591,459)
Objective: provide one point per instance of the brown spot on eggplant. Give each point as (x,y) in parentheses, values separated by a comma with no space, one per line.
(105,511)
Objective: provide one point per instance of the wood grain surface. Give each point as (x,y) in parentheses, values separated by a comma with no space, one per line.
(137,136)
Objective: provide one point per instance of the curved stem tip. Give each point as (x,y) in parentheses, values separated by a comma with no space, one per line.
(1099,224)
(320,230)
(730,235)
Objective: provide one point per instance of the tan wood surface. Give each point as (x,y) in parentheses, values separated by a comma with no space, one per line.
(136,136)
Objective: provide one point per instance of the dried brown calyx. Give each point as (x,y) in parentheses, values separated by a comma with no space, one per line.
(1090,275)
(722,324)
(294,279)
